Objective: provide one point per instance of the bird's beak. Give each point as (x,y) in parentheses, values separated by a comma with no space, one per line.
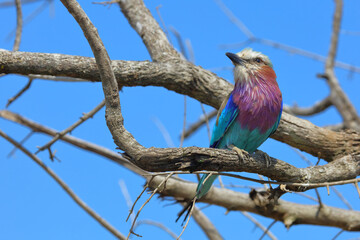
(235,59)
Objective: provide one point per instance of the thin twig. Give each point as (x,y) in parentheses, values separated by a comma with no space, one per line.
(180,42)
(137,199)
(72,127)
(221,182)
(332,187)
(308,185)
(258,224)
(11,3)
(183,52)
(56,78)
(357,186)
(206,120)
(261,178)
(29,18)
(302,156)
(190,50)
(338,234)
(190,213)
(184,124)
(164,132)
(205,224)
(268,228)
(137,214)
(12,152)
(292,50)
(67,189)
(127,197)
(85,145)
(163,23)
(106,2)
(195,126)
(23,90)
(328,189)
(319,198)
(235,20)
(307,196)
(156,224)
(338,193)
(19,24)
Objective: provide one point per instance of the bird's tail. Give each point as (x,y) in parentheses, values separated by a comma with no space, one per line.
(186,209)
(203,187)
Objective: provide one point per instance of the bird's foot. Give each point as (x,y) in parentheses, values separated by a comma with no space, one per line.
(266,156)
(240,152)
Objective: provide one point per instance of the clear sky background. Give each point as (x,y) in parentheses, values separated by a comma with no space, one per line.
(33,206)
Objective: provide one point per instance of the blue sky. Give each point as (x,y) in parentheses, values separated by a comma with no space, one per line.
(33,206)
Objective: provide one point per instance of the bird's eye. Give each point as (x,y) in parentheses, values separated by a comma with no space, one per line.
(258,60)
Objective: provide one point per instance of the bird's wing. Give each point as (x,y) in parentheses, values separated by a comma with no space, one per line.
(277,121)
(224,121)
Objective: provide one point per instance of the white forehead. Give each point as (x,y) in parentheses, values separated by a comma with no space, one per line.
(248,53)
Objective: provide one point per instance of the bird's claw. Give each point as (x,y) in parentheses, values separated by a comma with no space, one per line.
(266,156)
(238,151)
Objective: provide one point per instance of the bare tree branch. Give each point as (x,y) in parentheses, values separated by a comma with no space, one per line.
(267,229)
(205,224)
(203,120)
(338,96)
(292,50)
(184,79)
(67,189)
(72,127)
(181,187)
(259,225)
(105,152)
(289,213)
(20,93)
(156,224)
(316,108)
(19,23)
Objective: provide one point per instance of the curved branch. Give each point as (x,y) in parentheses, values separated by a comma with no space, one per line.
(303,111)
(114,119)
(185,79)
(338,97)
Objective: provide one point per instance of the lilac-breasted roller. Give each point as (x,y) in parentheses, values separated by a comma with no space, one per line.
(250,113)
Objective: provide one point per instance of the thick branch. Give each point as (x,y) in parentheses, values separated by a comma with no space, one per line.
(287,212)
(196,159)
(114,119)
(184,79)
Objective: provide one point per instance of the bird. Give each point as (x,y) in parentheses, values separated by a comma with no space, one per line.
(249,114)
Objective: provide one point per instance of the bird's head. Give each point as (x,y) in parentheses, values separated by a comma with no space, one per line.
(248,63)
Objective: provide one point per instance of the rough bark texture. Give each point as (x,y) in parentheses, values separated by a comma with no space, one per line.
(184,79)
(284,211)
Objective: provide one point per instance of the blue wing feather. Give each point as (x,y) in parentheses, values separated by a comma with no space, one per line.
(226,118)
(277,121)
